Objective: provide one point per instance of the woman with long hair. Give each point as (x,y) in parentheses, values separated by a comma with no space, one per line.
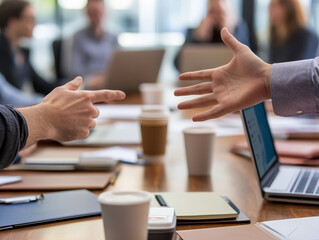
(290,38)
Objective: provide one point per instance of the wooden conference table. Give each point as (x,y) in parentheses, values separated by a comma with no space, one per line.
(232,176)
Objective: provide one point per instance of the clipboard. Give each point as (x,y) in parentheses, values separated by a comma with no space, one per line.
(53,207)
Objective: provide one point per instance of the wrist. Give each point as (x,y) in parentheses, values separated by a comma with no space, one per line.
(45,122)
(38,125)
(266,79)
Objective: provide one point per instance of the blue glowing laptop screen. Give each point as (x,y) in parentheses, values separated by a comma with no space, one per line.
(260,137)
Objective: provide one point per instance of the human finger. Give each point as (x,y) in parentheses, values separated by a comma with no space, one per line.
(230,40)
(74,84)
(197,75)
(201,88)
(204,101)
(106,95)
(97,113)
(215,112)
(92,124)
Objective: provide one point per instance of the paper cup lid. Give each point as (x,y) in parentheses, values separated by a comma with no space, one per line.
(124,197)
(199,130)
(154,112)
(151,86)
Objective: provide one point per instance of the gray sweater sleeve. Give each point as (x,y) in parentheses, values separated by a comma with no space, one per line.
(295,87)
(13,134)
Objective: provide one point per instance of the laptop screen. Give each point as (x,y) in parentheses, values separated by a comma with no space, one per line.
(260,137)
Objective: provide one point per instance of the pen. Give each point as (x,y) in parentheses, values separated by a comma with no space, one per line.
(114,176)
(21,199)
(160,200)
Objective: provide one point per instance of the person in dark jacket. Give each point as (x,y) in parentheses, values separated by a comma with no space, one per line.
(220,13)
(17,21)
(290,39)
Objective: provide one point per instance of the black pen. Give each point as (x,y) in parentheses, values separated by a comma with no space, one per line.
(160,200)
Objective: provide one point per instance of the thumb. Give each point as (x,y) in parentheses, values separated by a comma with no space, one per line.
(74,84)
(230,40)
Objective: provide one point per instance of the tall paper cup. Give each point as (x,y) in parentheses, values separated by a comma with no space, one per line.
(154,124)
(199,145)
(152,93)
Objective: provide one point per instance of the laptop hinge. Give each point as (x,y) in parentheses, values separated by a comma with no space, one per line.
(270,176)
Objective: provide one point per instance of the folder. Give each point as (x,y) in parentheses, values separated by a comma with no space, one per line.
(290,152)
(192,206)
(294,228)
(53,207)
(58,181)
(244,232)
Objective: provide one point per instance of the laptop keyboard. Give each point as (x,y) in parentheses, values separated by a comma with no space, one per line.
(306,182)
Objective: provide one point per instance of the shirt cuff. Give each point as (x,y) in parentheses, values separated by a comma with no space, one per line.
(292,88)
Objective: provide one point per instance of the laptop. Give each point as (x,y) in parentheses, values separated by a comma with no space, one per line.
(196,57)
(277,182)
(129,68)
(110,134)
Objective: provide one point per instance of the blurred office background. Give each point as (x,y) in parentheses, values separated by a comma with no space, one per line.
(146,24)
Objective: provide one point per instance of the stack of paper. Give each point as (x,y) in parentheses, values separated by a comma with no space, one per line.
(9,179)
(294,229)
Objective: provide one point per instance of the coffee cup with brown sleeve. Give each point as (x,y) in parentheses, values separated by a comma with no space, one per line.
(154,126)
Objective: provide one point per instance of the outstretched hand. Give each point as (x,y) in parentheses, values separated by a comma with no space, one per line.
(243,82)
(66,113)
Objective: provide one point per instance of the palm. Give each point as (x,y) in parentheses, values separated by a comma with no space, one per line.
(234,86)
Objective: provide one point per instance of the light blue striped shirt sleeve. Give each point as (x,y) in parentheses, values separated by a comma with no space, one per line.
(295,87)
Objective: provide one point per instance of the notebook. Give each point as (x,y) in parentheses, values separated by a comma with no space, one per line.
(54,207)
(196,205)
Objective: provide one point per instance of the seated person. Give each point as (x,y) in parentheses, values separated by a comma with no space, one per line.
(13,96)
(93,47)
(17,21)
(290,39)
(220,13)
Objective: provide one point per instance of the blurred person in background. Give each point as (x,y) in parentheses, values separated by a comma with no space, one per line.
(15,97)
(93,47)
(17,21)
(220,13)
(290,39)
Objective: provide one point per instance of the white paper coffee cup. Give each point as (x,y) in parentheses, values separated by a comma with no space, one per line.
(125,214)
(199,145)
(152,93)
